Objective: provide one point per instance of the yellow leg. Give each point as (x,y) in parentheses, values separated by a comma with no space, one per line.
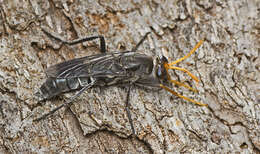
(183,85)
(184,70)
(183,97)
(189,54)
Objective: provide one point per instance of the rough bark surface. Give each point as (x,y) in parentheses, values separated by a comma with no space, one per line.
(227,64)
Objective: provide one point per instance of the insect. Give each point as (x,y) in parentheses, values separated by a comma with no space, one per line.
(105,69)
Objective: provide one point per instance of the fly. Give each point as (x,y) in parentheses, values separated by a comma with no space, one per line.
(105,69)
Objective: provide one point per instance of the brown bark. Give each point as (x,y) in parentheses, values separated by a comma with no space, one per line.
(227,64)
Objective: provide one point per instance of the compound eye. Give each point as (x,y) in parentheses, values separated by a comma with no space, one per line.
(159,71)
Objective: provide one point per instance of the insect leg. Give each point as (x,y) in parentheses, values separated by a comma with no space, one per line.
(128,111)
(80,40)
(68,103)
(140,42)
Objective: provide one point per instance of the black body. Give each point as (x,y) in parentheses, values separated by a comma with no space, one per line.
(106,69)
(103,69)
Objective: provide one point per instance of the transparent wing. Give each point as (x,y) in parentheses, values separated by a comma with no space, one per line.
(94,65)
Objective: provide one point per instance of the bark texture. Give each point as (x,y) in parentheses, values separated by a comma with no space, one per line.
(227,64)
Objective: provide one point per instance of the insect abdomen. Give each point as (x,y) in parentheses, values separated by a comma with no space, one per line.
(55,86)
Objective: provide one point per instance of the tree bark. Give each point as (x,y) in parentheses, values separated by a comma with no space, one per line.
(227,65)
